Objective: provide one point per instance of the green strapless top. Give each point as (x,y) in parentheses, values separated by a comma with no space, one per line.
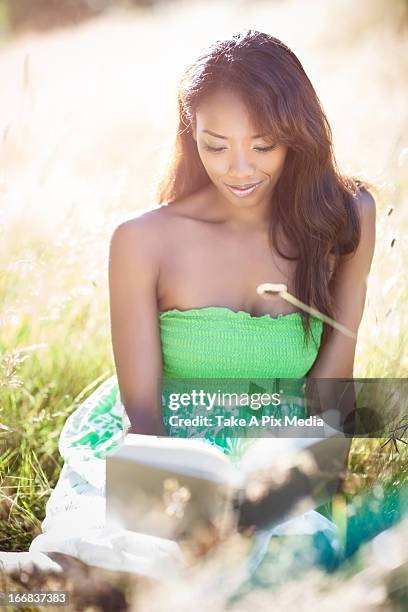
(218,342)
(198,343)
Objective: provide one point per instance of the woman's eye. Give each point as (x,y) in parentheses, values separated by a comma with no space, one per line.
(215,149)
(259,149)
(265,149)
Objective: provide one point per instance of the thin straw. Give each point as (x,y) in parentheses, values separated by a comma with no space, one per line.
(281,290)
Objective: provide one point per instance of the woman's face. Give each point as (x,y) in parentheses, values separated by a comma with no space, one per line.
(243,165)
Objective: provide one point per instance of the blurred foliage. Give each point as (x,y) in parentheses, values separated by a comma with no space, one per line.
(46,14)
(17,15)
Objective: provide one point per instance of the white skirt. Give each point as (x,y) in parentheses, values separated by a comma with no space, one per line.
(75,525)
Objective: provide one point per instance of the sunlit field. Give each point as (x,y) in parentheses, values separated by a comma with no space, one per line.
(87,118)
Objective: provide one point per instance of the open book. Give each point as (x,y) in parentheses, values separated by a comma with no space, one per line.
(167,487)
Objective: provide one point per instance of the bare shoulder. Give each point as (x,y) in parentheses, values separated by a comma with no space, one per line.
(366,205)
(153,224)
(153,233)
(366,208)
(143,242)
(141,236)
(367,212)
(144,223)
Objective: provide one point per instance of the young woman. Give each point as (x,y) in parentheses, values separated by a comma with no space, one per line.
(252,195)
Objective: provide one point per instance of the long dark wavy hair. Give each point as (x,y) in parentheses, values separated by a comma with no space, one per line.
(313,203)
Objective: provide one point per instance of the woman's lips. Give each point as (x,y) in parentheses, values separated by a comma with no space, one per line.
(243,191)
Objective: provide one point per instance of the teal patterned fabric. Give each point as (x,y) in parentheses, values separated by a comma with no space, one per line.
(202,343)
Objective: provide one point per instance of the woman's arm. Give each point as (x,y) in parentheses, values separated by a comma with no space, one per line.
(133,274)
(336,356)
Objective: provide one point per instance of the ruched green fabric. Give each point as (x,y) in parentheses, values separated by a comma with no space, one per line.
(212,342)
(216,342)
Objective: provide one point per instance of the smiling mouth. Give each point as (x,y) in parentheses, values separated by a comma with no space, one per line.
(243,187)
(243,190)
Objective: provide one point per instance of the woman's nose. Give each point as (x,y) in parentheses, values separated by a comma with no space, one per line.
(240,165)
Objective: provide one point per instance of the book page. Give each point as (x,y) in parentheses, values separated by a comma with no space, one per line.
(194,457)
(280,452)
(271,452)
